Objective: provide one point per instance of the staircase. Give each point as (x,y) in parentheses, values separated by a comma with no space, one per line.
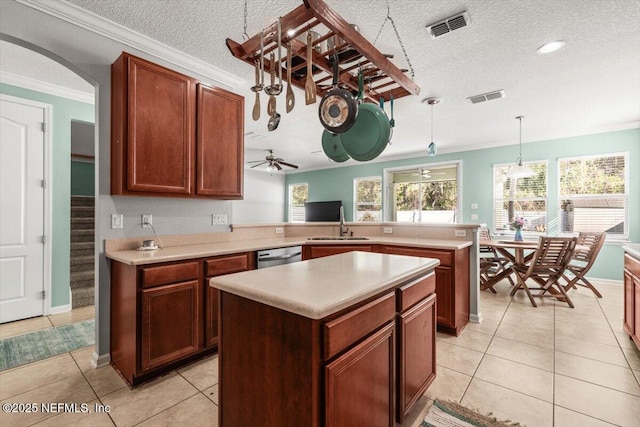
(82,251)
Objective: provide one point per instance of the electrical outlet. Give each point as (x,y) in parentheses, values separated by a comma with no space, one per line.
(474,217)
(223,218)
(461,233)
(117,221)
(279,230)
(388,230)
(474,206)
(147,220)
(218,219)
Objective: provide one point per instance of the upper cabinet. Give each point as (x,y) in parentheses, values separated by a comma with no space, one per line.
(171,136)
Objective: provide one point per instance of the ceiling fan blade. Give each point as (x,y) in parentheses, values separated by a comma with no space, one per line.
(277,165)
(289,164)
(259,164)
(256,161)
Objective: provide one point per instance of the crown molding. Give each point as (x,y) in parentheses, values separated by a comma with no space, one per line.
(90,21)
(45,87)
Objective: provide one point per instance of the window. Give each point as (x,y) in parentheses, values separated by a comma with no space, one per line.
(525,197)
(593,194)
(298,194)
(367,205)
(424,194)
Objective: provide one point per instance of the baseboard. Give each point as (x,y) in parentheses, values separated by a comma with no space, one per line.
(606,281)
(98,361)
(60,309)
(475,318)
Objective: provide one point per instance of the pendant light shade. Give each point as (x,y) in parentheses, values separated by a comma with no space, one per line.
(432,149)
(520,170)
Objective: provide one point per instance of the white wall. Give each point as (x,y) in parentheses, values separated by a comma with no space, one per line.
(264,197)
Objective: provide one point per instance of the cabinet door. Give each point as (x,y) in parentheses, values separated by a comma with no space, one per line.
(360,388)
(161,131)
(220,143)
(416,353)
(636,333)
(323,250)
(629,323)
(171,319)
(211,316)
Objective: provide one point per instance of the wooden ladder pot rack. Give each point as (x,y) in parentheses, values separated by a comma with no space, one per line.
(385,78)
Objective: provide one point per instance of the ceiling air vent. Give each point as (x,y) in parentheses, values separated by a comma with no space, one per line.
(496,94)
(449,24)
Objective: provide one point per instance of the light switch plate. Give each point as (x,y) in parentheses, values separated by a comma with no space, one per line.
(388,230)
(474,217)
(279,230)
(474,206)
(117,221)
(461,233)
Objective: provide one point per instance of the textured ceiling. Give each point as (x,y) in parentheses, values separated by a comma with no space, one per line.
(591,85)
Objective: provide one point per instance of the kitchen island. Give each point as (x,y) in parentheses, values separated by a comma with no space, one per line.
(347,339)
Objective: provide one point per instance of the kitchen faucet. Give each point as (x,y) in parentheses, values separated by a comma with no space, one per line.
(343,229)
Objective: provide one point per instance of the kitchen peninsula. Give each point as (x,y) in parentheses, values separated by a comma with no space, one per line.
(347,339)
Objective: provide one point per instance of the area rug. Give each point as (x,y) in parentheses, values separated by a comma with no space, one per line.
(450,414)
(38,345)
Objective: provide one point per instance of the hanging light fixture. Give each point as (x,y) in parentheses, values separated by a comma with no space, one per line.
(520,170)
(432,149)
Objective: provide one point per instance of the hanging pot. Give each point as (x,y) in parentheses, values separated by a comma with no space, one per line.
(338,108)
(370,134)
(332,147)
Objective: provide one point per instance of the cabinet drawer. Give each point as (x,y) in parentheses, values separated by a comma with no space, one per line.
(227,265)
(415,291)
(163,275)
(632,264)
(346,330)
(445,257)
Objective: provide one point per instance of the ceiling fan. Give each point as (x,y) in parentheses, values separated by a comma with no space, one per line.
(273,162)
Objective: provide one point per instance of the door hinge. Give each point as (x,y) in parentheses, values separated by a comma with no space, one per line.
(44,127)
(44,183)
(44,240)
(43,294)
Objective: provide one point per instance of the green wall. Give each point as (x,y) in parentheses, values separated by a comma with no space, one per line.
(477,181)
(63,111)
(83,178)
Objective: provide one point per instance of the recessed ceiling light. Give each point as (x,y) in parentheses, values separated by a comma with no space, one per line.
(551,47)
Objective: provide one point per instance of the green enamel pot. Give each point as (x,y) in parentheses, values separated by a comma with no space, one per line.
(332,147)
(369,135)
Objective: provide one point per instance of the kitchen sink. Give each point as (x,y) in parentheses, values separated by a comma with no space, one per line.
(338,238)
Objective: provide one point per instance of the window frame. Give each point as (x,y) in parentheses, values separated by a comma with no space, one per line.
(387,203)
(624,237)
(502,231)
(289,201)
(355,198)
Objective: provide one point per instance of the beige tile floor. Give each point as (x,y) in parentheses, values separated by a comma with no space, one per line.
(45,322)
(545,366)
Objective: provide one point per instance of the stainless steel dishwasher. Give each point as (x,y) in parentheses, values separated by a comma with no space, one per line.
(271,257)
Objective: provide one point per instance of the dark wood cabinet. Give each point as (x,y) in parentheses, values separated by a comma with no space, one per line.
(166,315)
(631,322)
(220,148)
(318,251)
(359,388)
(171,323)
(452,284)
(171,136)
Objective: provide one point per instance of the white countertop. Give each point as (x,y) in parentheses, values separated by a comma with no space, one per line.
(177,253)
(632,249)
(320,287)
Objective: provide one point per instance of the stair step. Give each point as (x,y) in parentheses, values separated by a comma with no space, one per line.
(81,238)
(82,211)
(82,284)
(82,297)
(82,252)
(82,259)
(83,201)
(82,245)
(81,276)
(83,220)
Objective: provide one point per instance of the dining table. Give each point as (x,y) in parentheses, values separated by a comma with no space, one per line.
(518,252)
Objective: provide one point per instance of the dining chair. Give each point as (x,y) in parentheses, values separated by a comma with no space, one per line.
(491,263)
(582,261)
(546,268)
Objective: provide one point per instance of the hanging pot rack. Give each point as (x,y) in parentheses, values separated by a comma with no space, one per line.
(384,78)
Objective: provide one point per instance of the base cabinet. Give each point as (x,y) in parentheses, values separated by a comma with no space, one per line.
(318,251)
(631,322)
(166,315)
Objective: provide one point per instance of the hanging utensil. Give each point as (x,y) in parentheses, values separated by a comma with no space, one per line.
(392,122)
(309,85)
(290,98)
(338,108)
(271,89)
(257,89)
(274,121)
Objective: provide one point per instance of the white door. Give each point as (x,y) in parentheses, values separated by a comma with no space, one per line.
(21,209)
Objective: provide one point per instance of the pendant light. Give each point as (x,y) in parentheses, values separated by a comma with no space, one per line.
(432,150)
(520,170)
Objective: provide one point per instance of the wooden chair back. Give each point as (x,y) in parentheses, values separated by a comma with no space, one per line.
(594,241)
(552,256)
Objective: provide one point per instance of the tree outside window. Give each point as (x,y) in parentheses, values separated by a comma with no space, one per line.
(367,206)
(298,195)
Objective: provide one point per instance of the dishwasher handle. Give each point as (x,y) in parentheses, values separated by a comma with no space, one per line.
(279,257)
